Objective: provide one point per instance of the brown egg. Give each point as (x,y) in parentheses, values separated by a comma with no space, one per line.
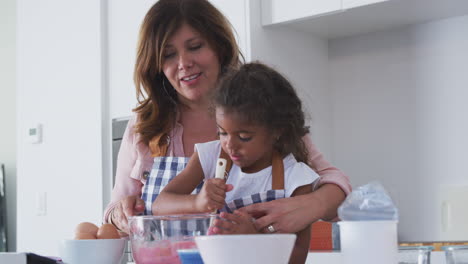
(84,236)
(107,231)
(86,227)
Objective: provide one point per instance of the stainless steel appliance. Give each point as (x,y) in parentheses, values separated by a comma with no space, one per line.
(3,218)
(118,128)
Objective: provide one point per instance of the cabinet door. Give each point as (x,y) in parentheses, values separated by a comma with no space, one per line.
(281,11)
(355,3)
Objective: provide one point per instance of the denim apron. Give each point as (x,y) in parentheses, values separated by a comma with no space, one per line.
(163,171)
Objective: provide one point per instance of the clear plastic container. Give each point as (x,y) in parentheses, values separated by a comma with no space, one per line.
(456,254)
(357,237)
(158,239)
(415,255)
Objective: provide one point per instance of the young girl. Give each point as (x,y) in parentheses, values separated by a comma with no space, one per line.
(261,125)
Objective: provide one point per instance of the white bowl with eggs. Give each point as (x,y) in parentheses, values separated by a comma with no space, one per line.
(93,244)
(86,251)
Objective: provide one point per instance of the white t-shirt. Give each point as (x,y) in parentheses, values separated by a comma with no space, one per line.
(296,174)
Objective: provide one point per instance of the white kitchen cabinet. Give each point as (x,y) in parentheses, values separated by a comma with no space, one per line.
(356,3)
(363,16)
(280,11)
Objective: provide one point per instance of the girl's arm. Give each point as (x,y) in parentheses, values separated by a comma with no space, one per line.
(176,198)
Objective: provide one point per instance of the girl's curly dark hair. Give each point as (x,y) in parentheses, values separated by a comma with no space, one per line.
(262,96)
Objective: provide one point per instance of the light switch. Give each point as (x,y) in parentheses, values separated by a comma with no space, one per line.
(35,134)
(41,204)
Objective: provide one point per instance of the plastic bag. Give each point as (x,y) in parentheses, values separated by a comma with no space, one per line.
(368,202)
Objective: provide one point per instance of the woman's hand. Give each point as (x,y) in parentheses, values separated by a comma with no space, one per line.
(212,195)
(288,215)
(129,206)
(293,214)
(236,223)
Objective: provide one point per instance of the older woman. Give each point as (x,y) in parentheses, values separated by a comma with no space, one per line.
(185,47)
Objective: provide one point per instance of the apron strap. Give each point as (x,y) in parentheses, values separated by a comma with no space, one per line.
(277,181)
(159,144)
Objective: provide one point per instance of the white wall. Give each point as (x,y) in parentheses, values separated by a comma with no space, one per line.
(124,19)
(8,111)
(61,86)
(399,112)
(301,58)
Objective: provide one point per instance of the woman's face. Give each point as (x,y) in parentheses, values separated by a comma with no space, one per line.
(191,65)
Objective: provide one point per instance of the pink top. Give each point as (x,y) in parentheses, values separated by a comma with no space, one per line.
(134,163)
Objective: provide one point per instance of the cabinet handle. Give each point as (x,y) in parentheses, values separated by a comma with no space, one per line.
(445,216)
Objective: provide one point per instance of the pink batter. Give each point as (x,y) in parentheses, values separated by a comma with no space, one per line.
(161,252)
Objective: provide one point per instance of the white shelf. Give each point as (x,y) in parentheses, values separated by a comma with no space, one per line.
(374,17)
(437,257)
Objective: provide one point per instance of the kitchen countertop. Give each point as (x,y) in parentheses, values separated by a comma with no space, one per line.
(437,257)
(318,257)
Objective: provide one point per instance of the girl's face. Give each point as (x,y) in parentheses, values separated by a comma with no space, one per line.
(191,65)
(249,146)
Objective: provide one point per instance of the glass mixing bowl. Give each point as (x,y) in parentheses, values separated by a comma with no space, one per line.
(157,239)
(414,254)
(456,254)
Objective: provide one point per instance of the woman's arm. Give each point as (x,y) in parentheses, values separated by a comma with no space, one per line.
(327,172)
(296,213)
(292,214)
(125,199)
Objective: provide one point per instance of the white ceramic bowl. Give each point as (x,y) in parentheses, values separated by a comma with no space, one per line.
(86,251)
(245,249)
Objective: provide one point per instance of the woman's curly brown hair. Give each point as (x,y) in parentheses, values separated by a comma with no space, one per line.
(157,99)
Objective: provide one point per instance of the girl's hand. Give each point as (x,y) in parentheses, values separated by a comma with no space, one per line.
(212,195)
(129,206)
(236,223)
